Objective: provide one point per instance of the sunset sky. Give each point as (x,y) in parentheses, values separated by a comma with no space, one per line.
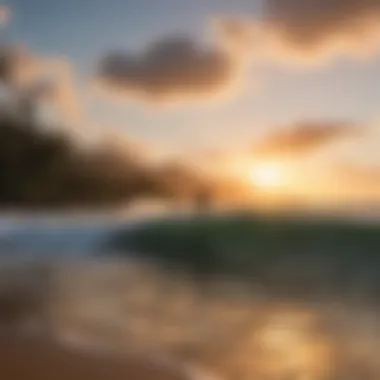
(223,77)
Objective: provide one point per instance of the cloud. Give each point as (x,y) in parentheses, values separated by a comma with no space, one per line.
(5,15)
(36,78)
(63,91)
(303,138)
(309,32)
(177,68)
(302,29)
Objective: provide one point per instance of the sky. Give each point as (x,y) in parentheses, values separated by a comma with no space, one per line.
(277,88)
(83,30)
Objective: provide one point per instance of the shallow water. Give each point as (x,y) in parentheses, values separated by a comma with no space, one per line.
(232,329)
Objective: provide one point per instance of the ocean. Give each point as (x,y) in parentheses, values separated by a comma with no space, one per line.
(298,302)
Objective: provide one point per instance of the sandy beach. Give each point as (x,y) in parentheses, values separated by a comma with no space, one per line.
(32,358)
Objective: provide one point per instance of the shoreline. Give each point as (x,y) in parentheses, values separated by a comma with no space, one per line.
(27,357)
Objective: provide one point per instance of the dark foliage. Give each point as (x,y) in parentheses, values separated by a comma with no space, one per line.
(260,249)
(45,169)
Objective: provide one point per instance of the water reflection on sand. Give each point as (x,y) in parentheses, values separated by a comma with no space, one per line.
(226,327)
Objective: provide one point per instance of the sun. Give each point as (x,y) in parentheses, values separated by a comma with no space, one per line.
(267,175)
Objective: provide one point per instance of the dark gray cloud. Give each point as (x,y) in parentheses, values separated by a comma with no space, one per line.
(323,27)
(175,68)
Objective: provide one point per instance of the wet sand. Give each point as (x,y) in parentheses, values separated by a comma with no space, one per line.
(31,358)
